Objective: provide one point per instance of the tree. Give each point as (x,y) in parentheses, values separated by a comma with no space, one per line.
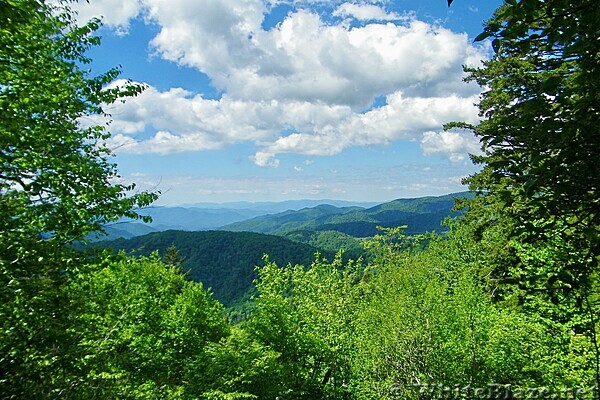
(56,177)
(540,181)
(139,330)
(433,324)
(307,317)
(56,180)
(541,109)
(172,257)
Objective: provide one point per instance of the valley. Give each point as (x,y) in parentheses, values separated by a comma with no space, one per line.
(225,259)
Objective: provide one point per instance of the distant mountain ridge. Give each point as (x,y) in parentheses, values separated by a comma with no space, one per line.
(204,216)
(276,224)
(419,214)
(353,218)
(224,260)
(272,207)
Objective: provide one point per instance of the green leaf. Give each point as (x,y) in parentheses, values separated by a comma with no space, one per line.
(496,45)
(482,36)
(551,84)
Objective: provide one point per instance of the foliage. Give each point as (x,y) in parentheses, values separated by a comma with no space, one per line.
(56,177)
(222,261)
(140,330)
(56,181)
(412,319)
(329,241)
(307,316)
(243,368)
(436,323)
(510,295)
(540,114)
(172,257)
(540,179)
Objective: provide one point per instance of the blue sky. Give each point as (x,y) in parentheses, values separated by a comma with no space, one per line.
(253,100)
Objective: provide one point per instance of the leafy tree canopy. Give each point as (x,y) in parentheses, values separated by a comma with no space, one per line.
(55,175)
(541,111)
(540,181)
(56,179)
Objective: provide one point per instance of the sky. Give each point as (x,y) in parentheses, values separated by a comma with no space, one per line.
(255,100)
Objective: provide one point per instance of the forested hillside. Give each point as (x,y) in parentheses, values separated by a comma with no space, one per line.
(280,223)
(504,304)
(419,215)
(224,262)
(330,242)
(206,216)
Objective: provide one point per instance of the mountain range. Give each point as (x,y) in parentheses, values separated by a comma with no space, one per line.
(419,215)
(354,219)
(224,260)
(206,216)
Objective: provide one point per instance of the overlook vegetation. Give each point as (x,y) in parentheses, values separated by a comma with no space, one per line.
(223,261)
(505,302)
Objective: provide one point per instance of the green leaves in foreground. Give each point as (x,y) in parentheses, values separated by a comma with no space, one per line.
(142,327)
(56,177)
(540,181)
(539,134)
(420,314)
(57,182)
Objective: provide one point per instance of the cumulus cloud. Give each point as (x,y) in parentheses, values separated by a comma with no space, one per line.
(113,13)
(455,145)
(306,59)
(184,121)
(306,85)
(330,2)
(364,12)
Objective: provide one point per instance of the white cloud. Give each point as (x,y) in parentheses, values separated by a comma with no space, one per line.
(364,12)
(184,121)
(455,145)
(264,159)
(304,58)
(305,75)
(114,13)
(402,119)
(328,2)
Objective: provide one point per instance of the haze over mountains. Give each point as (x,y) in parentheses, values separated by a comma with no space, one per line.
(206,216)
(271,207)
(222,246)
(352,218)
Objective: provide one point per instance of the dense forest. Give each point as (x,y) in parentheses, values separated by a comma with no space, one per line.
(504,305)
(223,261)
